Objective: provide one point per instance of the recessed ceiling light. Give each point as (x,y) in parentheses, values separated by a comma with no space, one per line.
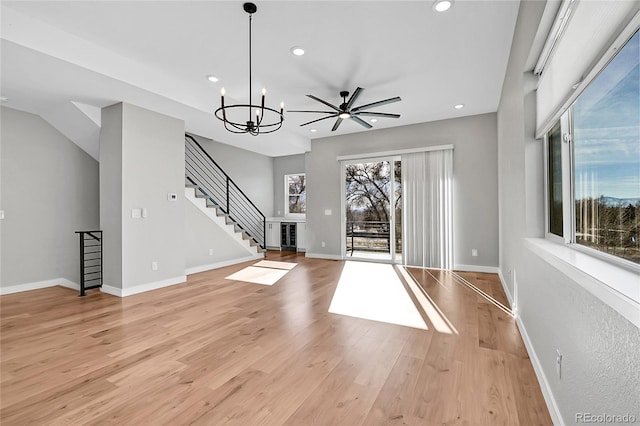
(373,120)
(213,79)
(459,106)
(442,5)
(297,50)
(314,130)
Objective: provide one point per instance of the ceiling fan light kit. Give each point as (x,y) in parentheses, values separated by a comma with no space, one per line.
(346,110)
(259,126)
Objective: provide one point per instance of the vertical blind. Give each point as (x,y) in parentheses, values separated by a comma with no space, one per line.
(592,28)
(427,185)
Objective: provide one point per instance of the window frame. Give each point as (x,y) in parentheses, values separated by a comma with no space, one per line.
(568,175)
(287,195)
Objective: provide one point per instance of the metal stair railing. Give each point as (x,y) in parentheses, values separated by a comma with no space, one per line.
(90,260)
(212,183)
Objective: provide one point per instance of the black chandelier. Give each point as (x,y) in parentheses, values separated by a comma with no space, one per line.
(259,126)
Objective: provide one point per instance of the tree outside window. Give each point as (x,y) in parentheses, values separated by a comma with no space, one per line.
(296,190)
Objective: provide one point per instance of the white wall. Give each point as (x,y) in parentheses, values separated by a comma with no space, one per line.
(475,196)
(285,165)
(202,234)
(601,360)
(49,191)
(152,166)
(252,172)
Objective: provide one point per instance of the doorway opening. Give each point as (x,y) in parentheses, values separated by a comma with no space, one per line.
(372,213)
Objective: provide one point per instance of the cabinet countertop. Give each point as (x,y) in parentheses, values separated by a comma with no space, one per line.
(286,219)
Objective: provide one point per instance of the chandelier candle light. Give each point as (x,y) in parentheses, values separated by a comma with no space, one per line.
(252,127)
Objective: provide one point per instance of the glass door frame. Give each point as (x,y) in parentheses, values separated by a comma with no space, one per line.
(392,211)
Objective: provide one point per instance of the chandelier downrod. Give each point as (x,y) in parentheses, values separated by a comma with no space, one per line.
(251,127)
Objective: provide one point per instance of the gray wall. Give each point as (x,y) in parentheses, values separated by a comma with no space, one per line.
(601,361)
(152,166)
(475,196)
(252,172)
(49,191)
(111,214)
(286,165)
(203,234)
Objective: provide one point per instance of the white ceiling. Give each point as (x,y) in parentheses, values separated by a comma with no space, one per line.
(157,55)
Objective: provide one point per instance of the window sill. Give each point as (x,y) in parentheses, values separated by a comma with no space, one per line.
(616,286)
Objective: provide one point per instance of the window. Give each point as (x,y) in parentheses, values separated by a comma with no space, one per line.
(554,178)
(295,189)
(602,165)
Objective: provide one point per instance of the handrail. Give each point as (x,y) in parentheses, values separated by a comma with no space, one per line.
(225,174)
(217,186)
(376,226)
(95,252)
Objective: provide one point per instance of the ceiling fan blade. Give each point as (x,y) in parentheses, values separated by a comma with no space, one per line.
(353,97)
(315,112)
(319,119)
(361,122)
(324,102)
(375,104)
(335,126)
(376,114)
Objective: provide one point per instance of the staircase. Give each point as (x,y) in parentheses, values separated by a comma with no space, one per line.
(213,191)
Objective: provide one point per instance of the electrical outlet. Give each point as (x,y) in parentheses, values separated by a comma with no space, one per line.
(210,252)
(154,266)
(323,244)
(474,252)
(559,363)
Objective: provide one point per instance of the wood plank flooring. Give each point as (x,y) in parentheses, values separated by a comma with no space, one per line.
(213,351)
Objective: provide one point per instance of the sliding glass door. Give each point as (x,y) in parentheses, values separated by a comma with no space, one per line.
(372,209)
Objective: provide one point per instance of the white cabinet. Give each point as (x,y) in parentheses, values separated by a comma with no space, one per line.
(301,237)
(273,235)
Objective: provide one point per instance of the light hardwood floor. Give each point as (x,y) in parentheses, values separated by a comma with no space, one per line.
(213,351)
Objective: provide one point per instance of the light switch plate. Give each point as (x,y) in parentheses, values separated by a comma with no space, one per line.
(136,213)
(327,212)
(1,214)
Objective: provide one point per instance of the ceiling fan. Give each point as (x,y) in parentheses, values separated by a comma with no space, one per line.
(346,110)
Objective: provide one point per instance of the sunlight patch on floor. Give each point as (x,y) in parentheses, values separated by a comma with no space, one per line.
(275,265)
(265,272)
(438,319)
(257,275)
(373,291)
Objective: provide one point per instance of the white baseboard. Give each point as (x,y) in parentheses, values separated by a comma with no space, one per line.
(505,287)
(323,256)
(476,268)
(63,282)
(196,269)
(141,288)
(552,406)
(114,291)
